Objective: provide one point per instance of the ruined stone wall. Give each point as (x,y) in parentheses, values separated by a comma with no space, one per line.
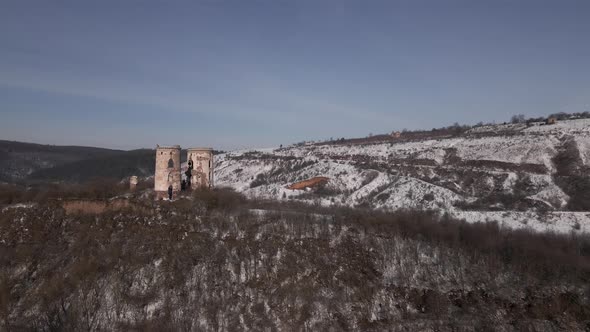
(85,206)
(202,173)
(167,170)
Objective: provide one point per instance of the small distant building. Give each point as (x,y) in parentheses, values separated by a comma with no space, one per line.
(396,134)
(133,182)
(551,121)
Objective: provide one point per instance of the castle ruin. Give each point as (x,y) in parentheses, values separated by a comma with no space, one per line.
(200,166)
(198,174)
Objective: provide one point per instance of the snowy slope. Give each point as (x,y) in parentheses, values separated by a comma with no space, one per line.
(435,174)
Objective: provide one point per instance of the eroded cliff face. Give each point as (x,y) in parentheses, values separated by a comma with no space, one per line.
(216,263)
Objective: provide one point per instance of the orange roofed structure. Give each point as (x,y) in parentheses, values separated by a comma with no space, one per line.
(310,183)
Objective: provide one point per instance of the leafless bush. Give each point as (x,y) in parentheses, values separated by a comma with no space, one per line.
(572,176)
(369,176)
(567,161)
(260,180)
(219,198)
(428,197)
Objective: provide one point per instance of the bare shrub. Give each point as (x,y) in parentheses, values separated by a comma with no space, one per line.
(382,197)
(567,161)
(369,176)
(260,180)
(428,197)
(572,176)
(219,198)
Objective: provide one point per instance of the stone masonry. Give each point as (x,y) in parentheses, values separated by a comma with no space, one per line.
(167,170)
(202,163)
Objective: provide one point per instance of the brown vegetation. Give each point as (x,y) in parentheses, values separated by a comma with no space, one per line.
(209,262)
(95,189)
(94,206)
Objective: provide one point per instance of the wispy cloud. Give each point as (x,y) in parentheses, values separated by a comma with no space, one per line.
(261,96)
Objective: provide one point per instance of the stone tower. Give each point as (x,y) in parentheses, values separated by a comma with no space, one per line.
(167,170)
(201,160)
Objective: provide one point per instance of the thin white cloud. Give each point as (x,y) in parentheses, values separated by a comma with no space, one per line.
(261,97)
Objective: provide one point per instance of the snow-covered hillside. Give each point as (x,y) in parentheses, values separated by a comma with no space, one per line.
(502,173)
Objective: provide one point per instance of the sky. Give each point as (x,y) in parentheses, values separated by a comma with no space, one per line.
(129,74)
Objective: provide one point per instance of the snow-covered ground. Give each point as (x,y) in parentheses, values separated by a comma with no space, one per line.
(18,206)
(558,222)
(433,174)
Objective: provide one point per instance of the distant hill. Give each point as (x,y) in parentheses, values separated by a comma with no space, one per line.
(117,165)
(520,175)
(28,163)
(19,160)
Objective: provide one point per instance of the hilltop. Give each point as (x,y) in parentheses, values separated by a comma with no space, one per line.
(19,160)
(29,163)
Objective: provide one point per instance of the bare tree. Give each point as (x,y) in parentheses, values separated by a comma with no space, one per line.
(519,118)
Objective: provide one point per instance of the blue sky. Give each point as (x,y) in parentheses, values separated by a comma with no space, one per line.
(232,74)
